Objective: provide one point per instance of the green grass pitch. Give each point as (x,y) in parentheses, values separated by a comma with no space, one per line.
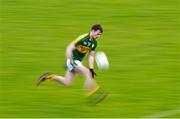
(141,40)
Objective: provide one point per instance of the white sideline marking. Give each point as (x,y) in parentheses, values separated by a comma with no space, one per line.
(164,113)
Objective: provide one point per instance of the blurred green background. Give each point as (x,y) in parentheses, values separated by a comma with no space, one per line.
(141,40)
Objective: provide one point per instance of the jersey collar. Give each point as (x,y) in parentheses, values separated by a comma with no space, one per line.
(91,39)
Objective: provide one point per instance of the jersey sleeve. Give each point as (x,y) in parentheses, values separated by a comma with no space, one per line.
(78,39)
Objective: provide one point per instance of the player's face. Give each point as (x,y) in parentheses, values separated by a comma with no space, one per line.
(96,34)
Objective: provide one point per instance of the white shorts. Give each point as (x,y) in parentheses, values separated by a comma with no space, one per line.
(78,63)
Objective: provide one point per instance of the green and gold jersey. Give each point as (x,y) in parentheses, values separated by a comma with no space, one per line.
(83,44)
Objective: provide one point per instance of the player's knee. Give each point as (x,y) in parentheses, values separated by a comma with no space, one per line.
(87,72)
(68,83)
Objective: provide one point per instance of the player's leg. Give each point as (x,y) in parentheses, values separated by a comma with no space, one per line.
(67,80)
(90,84)
(93,92)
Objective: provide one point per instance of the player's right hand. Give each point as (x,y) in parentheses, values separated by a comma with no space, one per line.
(70,64)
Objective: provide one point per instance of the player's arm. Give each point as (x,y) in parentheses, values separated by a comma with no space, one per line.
(69,50)
(91,60)
(91,63)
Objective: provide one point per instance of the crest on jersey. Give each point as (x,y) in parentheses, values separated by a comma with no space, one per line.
(92,46)
(85,43)
(89,43)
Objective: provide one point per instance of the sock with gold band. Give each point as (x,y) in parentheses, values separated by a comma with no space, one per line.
(96,97)
(50,77)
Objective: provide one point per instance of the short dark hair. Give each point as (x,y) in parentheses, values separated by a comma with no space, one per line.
(97,27)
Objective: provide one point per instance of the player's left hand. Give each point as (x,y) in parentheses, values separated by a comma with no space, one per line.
(93,73)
